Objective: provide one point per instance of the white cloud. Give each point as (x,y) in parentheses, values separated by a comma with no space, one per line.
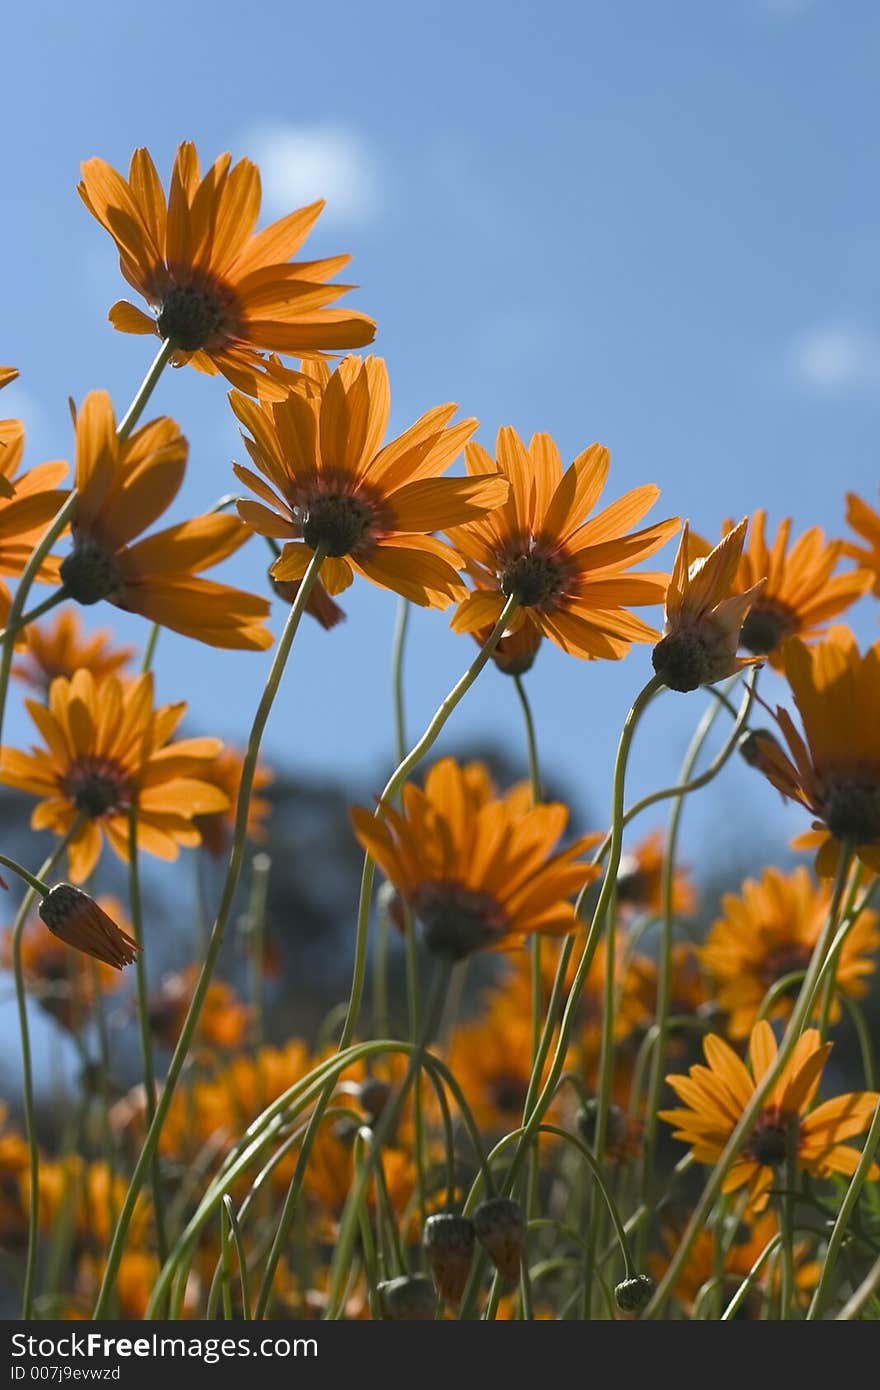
(836,357)
(301,163)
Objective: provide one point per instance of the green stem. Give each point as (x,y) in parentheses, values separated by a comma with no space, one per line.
(56,597)
(862,1295)
(231,883)
(801,1013)
(397,651)
(36,887)
(144,392)
(143,1012)
(847,1207)
(150,648)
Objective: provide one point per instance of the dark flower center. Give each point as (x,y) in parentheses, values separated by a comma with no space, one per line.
(196,316)
(784,961)
(683,660)
(89,572)
(97,785)
(851,810)
(633,884)
(535,578)
(766,626)
(769,1142)
(337,523)
(508,1092)
(457,920)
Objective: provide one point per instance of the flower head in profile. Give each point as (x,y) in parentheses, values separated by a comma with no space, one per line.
(480,871)
(107,751)
(78,920)
(222,293)
(28,502)
(833,769)
(716,1095)
(327,480)
(865,521)
(801,592)
(216,827)
(11,433)
(570,574)
(704,613)
(63,981)
(768,931)
(125,486)
(60,647)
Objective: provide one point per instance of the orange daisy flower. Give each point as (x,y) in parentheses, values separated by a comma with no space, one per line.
(332,484)
(11,431)
(222,296)
(865,521)
(640,880)
(123,487)
(800,594)
(767,932)
(477,869)
(224,1019)
(704,613)
(28,502)
(216,827)
(704,1264)
(60,647)
(835,770)
(568,573)
(716,1096)
(107,749)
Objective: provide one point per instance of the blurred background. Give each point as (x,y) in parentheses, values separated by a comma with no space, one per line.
(655,226)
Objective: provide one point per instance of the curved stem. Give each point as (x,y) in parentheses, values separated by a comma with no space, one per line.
(58,596)
(36,886)
(232,876)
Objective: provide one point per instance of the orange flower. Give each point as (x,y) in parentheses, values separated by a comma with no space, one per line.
(704,613)
(768,932)
(716,1096)
(865,521)
(568,574)
(799,595)
(11,433)
(371,508)
(61,647)
(216,827)
(835,771)
(708,1261)
(224,1019)
(222,295)
(107,751)
(640,880)
(28,502)
(123,487)
(62,980)
(478,870)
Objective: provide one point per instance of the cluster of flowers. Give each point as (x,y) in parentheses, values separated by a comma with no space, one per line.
(527,1136)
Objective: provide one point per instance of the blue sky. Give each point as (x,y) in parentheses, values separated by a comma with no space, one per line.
(651,225)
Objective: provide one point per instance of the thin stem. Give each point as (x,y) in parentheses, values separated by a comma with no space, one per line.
(801,1012)
(150,648)
(33,882)
(866,1290)
(847,1207)
(36,887)
(144,392)
(143,1012)
(231,883)
(397,651)
(56,597)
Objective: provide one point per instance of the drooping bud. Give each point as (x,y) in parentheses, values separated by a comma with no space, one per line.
(633,1294)
(449,1243)
(758,746)
(372,1094)
(500,1225)
(409,1298)
(616,1124)
(76,919)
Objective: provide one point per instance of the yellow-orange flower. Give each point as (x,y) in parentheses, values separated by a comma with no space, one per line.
(216,827)
(865,521)
(800,594)
(640,880)
(60,647)
(123,487)
(707,1262)
(107,750)
(704,613)
(222,296)
(768,931)
(330,483)
(834,771)
(223,1021)
(491,1058)
(11,433)
(568,573)
(716,1096)
(477,869)
(28,502)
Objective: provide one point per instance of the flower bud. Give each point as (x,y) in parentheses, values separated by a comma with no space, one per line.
(500,1225)
(409,1298)
(633,1294)
(616,1124)
(757,747)
(77,920)
(372,1094)
(449,1243)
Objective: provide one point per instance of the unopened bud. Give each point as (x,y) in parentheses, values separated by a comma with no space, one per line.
(410,1298)
(616,1124)
(633,1294)
(756,746)
(372,1094)
(78,921)
(500,1225)
(449,1243)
